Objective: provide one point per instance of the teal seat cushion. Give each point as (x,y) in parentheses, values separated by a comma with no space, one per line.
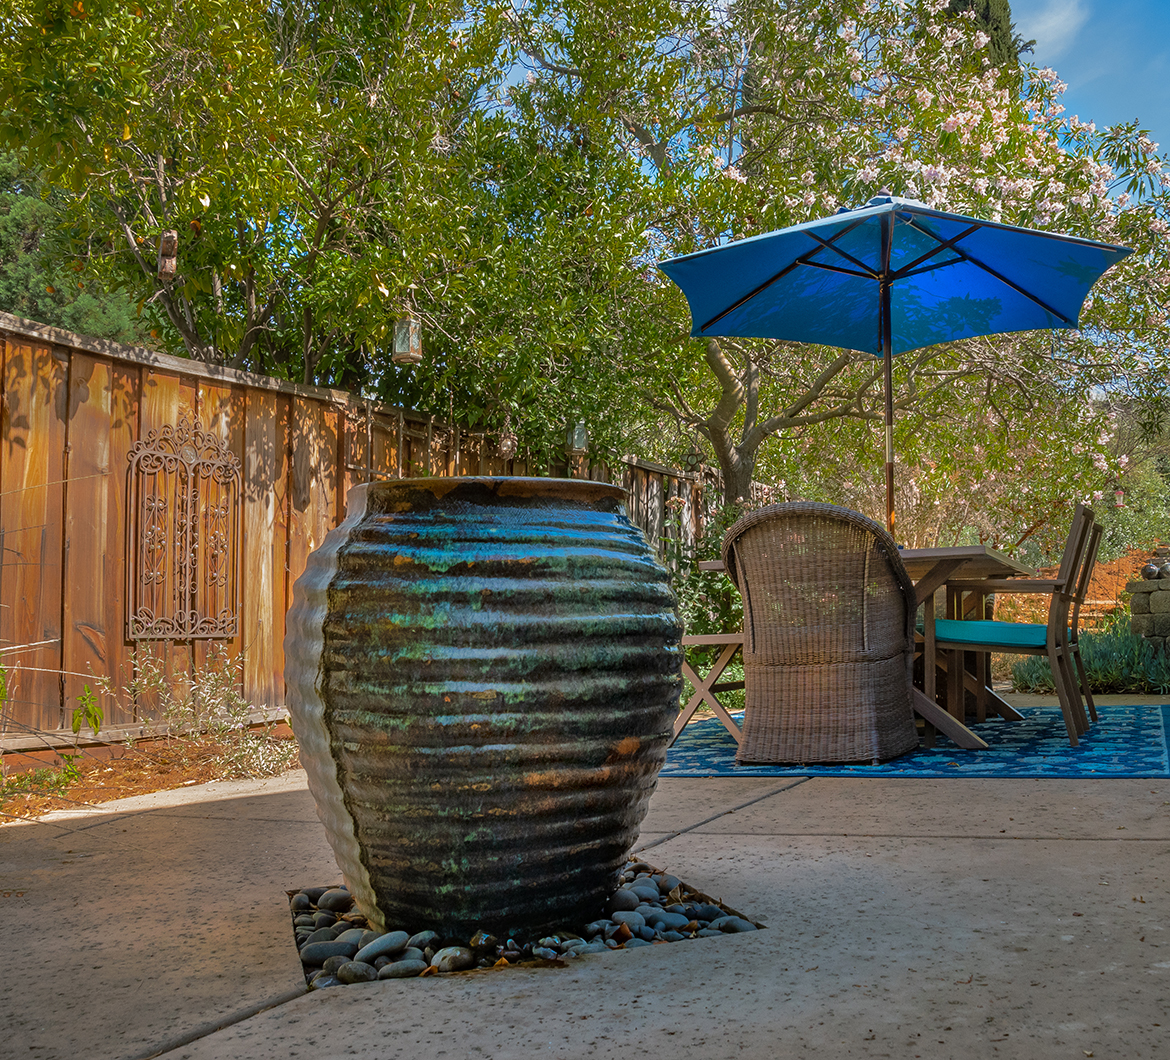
(983,634)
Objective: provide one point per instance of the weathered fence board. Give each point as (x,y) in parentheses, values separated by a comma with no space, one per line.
(265,474)
(86,621)
(31,481)
(73,409)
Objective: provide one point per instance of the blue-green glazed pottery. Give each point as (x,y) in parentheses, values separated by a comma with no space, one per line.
(482,674)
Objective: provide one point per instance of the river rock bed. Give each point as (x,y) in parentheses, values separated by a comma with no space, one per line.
(650,907)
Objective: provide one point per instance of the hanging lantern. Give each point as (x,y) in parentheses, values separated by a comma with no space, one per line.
(407,341)
(507,446)
(693,460)
(577,439)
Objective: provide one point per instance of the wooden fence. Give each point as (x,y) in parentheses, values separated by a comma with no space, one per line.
(71,411)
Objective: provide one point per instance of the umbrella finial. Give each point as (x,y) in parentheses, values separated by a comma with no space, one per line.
(880,199)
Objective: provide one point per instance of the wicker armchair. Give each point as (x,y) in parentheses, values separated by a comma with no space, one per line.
(828,613)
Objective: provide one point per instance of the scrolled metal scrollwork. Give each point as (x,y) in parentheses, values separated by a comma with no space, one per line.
(184,509)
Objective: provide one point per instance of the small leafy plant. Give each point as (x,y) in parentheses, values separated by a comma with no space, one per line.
(48,780)
(88,713)
(206,706)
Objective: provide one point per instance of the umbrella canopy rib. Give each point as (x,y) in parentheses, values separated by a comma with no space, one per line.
(762,287)
(992,272)
(1017,288)
(804,259)
(902,275)
(949,244)
(866,270)
(869,274)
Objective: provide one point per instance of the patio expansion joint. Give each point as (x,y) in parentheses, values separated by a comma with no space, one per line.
(722,813)
(938,835)
(205,1029)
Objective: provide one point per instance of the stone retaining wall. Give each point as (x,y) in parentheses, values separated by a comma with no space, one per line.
(1150,610)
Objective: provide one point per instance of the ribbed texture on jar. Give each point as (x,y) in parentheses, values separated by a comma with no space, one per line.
(303,643)
(500,674)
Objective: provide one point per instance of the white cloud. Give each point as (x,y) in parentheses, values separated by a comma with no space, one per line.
(1053,24)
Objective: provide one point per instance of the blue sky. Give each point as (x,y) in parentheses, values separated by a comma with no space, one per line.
(1113,54)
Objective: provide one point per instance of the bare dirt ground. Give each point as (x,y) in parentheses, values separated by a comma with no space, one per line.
(119,772)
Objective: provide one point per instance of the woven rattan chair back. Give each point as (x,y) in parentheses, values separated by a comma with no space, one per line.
(828,636)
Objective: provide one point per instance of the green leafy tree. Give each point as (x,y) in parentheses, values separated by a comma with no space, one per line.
(330,167)
(764,114)
(34,283)
(296,149)
(994,18)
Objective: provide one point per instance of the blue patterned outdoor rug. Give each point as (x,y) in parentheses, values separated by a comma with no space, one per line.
(1127,741)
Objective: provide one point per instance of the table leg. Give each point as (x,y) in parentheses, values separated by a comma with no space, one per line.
(956,730)
(704,693)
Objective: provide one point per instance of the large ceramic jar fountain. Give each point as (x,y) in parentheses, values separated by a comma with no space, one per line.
(482,675)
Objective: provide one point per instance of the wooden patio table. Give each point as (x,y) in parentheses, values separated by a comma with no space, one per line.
(929,570)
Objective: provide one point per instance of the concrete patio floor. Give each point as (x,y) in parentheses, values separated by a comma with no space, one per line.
(906,918)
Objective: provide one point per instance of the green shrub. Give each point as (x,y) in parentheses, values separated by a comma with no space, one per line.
(1116,661)
(707,601)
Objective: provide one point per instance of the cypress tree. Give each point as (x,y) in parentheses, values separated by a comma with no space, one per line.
(994,17)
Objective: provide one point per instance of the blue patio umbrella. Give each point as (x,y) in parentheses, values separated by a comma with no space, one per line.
(891,276)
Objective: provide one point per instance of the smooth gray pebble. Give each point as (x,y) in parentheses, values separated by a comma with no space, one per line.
(357,972)
(403,970)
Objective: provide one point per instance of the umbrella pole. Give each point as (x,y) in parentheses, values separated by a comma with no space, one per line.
(888,372)
(888,359)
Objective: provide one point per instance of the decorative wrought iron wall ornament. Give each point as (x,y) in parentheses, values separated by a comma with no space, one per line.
(184,540)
